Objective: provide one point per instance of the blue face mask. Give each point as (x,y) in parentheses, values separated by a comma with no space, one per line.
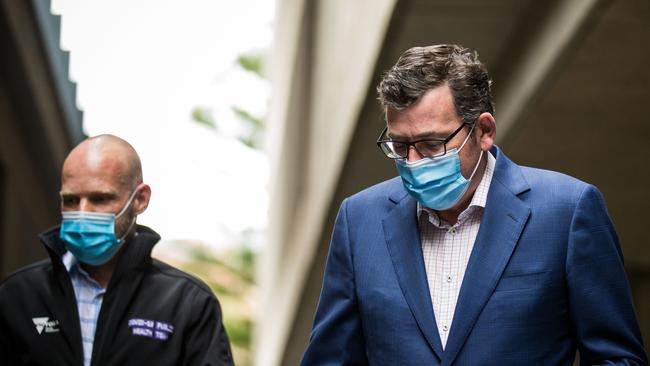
(436,182)
(90,236)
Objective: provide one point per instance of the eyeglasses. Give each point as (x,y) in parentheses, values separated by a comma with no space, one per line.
(427,148)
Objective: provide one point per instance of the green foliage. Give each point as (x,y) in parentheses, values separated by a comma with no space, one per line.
(201,255)
(204,117)
(245,263)
(232,275)
(254,125)
(242,264)
(256,122)
(239,331)
(252,61)
(247,258)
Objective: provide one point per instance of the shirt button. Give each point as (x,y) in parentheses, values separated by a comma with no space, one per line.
(444,328)
(448,279)
(452,231)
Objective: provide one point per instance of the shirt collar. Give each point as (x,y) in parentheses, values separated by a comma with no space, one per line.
(478,199)
(69,261)
(74,269)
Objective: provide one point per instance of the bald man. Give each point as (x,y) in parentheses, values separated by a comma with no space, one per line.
(101,299)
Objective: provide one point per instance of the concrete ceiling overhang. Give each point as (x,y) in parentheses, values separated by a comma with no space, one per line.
(41,121)
(570,79)
(591,121)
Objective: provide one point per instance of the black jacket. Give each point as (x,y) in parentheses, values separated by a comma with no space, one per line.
(152,313)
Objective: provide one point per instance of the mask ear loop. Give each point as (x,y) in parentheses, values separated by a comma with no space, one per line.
(476,167)
(479,157)
(467,138)
(128,204)
(121,238)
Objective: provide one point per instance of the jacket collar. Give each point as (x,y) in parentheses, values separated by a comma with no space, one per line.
(509,173)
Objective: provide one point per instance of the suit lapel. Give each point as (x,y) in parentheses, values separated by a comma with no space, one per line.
(502,223)
(403,241)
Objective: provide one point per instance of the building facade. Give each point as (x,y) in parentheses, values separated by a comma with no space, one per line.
(39,124)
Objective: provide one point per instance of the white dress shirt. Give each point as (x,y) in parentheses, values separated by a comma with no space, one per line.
(89,296)
(446,250)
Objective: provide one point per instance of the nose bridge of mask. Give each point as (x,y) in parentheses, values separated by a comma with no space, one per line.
(86,215)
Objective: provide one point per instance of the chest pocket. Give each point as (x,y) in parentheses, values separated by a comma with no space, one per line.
(523,281)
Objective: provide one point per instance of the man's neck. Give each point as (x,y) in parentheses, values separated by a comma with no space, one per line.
(102,274)
(450,216)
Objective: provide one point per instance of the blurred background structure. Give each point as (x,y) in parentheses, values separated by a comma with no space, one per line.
(571,84)
(570,80)
(183,82)
(39,124)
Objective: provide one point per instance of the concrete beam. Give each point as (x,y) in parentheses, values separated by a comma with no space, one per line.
(538,57)
(290,66)
(30,51)
(321,72)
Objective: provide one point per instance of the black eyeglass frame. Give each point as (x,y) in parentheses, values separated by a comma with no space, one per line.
(408,144)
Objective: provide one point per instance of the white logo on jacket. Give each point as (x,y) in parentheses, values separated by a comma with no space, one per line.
(44,323)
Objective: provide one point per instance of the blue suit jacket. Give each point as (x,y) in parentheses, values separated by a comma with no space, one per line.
(545,278)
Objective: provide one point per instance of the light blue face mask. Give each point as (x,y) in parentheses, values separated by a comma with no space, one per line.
(436,182)
(90,236)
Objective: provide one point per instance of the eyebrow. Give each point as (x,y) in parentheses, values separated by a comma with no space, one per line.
(93,193)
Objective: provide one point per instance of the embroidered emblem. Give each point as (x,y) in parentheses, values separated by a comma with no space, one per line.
(151,328)
(44,323)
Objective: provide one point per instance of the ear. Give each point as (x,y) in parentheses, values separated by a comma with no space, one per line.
(141,199)
(486,130)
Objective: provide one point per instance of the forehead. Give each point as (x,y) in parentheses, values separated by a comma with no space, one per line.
(434,113)
(88,173)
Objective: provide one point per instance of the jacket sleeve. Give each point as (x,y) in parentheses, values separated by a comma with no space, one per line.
(206,342)
(337,336)
(601,307)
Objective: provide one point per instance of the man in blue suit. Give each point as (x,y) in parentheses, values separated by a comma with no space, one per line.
(468,258)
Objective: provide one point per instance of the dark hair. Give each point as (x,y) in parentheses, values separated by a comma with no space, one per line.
(421,69)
